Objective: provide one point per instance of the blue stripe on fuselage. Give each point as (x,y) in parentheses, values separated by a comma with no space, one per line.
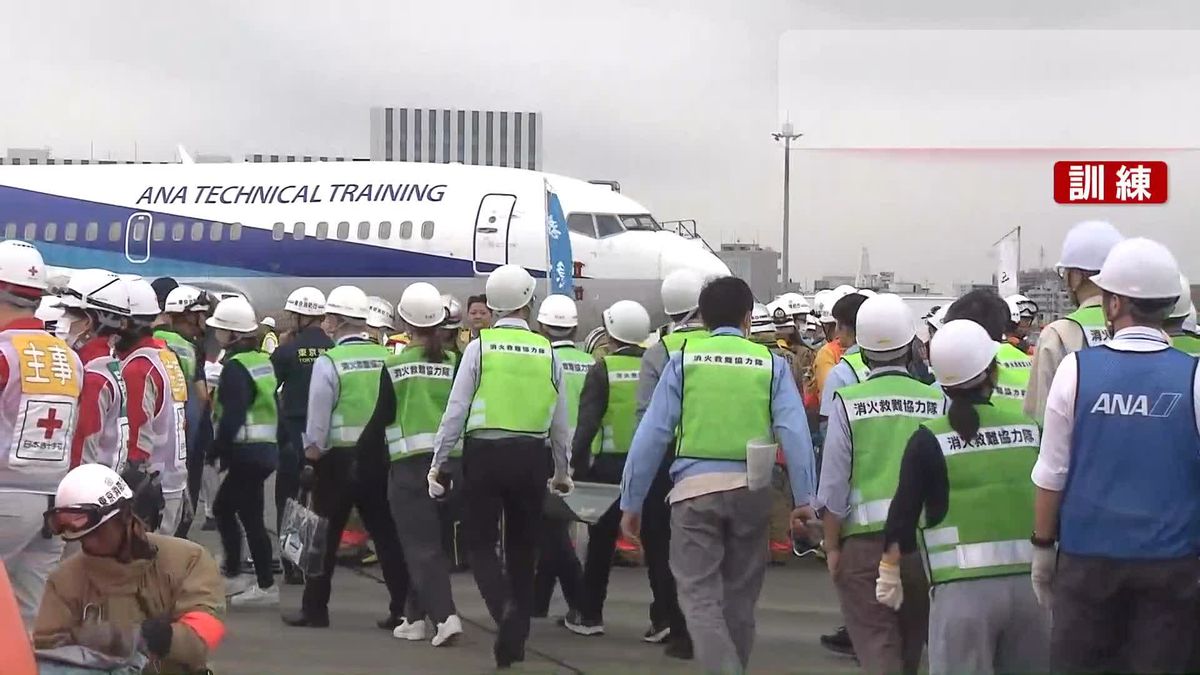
(255,254)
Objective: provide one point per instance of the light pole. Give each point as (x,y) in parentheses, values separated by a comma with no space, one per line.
(787,135)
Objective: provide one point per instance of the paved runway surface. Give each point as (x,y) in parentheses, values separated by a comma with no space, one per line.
(797,605)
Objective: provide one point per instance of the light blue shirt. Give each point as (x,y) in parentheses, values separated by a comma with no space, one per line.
(842,375)
(656,433)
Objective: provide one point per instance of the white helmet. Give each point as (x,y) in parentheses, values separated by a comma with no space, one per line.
(381,314)
(348,301)
(453,312)
(938,318)
(761,320)
(558,311)
(421,306)
(961,351)
(21,265)
(884,324)
(844,290)
(185,298)
(143,301)
(778,311)
(49,310)
(866,292)
(627,321)
(681,292)
(1087,245)
(234,314)
(1139,268)
(1014,310)
(96,289)
(1183,306)
(794,304)
(1025,306)
(90,487)
(509,288)
(306,301)
(268,321)
(1189,324)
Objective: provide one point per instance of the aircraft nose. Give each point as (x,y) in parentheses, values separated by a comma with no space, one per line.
(687,255)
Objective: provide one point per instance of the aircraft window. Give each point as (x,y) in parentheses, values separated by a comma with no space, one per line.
(343,231)
(70,231)
(30,231)
(177,231)
(50,232)
(643,221)
(197,231)
(581,223)
(160,231)
(214,231)
(607,225)
(10,231)
(92,231)
(277,232)
(235,231)
(364,231)
(385,230)
(322,230)
(114,231)
(406,230)
(298,231)
(427,229)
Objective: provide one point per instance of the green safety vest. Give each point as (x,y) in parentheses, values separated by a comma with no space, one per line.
(883,413)
(673,342)
(986,529)
(726,397)
(262,419)
(184,350)
(575,366)
(856,363)
(516,386)
(270,342)
(1091,320)
(1188,344)
(357,365)
(1012,378)
(620,415)
(422,390)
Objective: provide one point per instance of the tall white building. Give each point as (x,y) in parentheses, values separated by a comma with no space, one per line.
(476,137)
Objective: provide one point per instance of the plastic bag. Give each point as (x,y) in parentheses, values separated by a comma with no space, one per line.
(302,538)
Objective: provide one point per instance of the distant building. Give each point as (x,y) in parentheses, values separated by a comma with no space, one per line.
(1049,291)
(261,158)
(758,266)
(27,156)
(832,281)
(475,137)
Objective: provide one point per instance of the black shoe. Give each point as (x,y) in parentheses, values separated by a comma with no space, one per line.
(389,622)
(578,625)
(838,642)
(540,613)
(680,648)
(656,634)
(210,525)
(301,620)
(507,655)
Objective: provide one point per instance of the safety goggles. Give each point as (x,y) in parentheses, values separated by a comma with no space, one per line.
(73,522)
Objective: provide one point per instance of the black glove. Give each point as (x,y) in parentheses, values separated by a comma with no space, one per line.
(156,635)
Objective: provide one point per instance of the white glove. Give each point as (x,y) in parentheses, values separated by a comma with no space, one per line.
(436,489)
(888,589)
(1045,560)
(561,485)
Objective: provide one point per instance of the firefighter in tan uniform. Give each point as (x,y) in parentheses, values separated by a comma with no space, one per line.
(40,380)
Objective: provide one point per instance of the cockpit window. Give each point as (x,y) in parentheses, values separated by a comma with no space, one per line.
(642,221)
(581,223)
(607,225)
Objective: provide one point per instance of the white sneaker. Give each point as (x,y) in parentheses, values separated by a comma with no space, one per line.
(447,630)
(256,597)
(239,584)
(411,631)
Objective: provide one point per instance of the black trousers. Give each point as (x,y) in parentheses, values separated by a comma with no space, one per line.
(504,476)
(450,514)
(240,498)
(346,479)
(557,563)
(602,539)
(291,454)
(656,545)
(1124,615)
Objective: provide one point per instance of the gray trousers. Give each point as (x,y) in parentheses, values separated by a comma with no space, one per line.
(28,556)
(420,533)
(985,626)
(717,543)
(1124,615)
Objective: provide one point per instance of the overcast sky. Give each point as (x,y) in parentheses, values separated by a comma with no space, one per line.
(675,99)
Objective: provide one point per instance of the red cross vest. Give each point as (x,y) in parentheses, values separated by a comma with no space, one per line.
(37,410)
(166,431)
(109,446)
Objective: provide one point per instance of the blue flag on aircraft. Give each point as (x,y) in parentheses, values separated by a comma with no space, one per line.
(561,268)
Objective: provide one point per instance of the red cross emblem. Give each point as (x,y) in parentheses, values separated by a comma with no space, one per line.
(50,423)
(33,271)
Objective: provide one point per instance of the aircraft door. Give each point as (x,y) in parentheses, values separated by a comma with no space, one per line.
(137,237)
(490,248)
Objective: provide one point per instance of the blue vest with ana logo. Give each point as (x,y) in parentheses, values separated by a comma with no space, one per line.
(1133,487)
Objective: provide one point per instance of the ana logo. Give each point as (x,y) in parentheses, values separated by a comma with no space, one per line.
(1130,404)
